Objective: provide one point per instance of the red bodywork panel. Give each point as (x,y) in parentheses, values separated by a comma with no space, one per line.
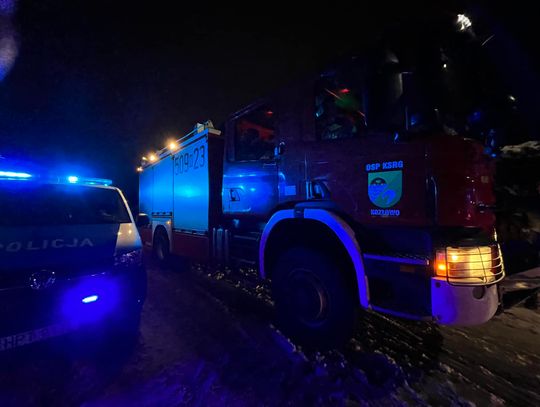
(446,180)
(346,168)
(190,245)
(464,177)
(442,180)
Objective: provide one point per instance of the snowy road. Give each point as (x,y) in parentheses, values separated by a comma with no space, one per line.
(206,342)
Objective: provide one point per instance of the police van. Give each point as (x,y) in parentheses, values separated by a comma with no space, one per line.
(70,258)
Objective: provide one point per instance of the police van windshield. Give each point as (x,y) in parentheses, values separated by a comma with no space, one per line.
(24,204)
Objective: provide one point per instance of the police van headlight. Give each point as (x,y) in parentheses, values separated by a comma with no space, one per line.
(128,259)
(478,265)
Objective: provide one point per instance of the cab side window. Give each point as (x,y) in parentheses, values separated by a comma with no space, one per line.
(254,137)
(339,113)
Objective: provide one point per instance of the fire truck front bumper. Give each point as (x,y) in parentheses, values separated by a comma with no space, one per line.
(463,305)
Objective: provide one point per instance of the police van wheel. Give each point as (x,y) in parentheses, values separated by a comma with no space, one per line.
(123,330)
(315,304)
(115,337)
(161,248)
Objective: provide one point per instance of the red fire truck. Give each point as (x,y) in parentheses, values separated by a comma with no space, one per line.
(365,186)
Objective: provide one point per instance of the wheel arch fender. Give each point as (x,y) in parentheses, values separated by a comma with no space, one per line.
(338,226)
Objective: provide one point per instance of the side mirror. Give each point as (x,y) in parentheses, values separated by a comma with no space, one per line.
(279,149)
(143,220)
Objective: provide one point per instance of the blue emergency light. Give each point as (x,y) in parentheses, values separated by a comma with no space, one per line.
(90,299)
(71,179)
(14,175)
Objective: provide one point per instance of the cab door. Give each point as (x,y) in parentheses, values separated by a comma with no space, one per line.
(250,180)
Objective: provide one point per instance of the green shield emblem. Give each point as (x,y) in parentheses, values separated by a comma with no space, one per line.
(384,188)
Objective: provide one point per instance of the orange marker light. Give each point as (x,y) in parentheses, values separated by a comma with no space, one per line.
(440,269)
(439,266)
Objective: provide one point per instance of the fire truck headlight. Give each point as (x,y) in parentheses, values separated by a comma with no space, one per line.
(469,265)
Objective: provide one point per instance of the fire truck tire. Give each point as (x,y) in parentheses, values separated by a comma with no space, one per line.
(315,305)
(161,249)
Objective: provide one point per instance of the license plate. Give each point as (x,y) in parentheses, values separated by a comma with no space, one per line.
(36,335)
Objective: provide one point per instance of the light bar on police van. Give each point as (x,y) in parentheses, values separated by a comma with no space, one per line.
(72,179)
(14,175)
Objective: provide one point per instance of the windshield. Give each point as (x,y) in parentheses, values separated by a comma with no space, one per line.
(439,77)
(24,204)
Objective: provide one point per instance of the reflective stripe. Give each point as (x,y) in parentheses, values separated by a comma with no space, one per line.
(343,232)
(394,259)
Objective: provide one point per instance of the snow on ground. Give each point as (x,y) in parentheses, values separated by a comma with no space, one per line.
(528,148)
(207,338)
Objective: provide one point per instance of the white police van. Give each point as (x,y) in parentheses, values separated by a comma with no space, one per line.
(70,258)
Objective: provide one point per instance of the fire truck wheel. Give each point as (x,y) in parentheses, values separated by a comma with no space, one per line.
(315,305)
(161,248)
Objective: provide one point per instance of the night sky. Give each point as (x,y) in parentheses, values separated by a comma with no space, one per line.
(96,86)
